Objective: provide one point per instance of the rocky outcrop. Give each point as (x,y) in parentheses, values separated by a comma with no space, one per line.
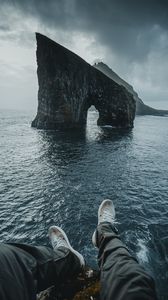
(84,287)
(141,107)
(68,86)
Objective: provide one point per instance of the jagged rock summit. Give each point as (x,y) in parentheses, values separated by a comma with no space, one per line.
(141,107)
(68,86)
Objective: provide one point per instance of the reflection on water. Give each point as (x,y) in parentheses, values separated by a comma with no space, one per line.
(60,145)
(113,134)
(54,177)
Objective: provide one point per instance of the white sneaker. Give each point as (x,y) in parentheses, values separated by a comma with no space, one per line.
(59,239)
(106,213)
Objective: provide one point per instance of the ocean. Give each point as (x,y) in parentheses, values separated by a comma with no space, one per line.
(60,178)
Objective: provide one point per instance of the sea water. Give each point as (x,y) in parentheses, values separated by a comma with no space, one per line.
(54,177)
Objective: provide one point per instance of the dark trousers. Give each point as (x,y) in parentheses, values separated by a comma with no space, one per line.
(26,270)
(122,278)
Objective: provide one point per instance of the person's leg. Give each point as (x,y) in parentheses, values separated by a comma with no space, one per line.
(26,270)
(16,279)
(52,267)
(122,278)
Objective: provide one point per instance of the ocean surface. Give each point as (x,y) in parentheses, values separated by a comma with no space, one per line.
(52,177)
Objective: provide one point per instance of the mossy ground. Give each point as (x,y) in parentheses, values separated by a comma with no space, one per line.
(85,287)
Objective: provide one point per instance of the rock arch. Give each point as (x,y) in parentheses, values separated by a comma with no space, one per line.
(68,86)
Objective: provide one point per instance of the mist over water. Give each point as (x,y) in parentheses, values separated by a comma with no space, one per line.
(52,177)
(160,104)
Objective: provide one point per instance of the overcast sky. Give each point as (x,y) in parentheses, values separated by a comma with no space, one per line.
(131,36)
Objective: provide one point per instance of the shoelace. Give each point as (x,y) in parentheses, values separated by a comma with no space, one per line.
(107,216)
(58,242)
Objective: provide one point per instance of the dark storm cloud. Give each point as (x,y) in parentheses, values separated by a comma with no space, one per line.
(128,27)
(131,36)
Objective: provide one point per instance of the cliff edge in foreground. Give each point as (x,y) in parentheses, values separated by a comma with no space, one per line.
(68,86)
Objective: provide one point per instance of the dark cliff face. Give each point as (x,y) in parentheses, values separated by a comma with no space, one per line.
(68,86)
(141,107)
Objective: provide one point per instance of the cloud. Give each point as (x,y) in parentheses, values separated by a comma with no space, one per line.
(130,28)
(131,36)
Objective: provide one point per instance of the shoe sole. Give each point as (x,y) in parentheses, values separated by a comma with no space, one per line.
(94,239)
(81,258)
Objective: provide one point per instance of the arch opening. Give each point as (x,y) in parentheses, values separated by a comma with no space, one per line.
(92,116)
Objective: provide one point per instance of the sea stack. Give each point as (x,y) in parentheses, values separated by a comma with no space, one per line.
(68,86)
(141,108)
